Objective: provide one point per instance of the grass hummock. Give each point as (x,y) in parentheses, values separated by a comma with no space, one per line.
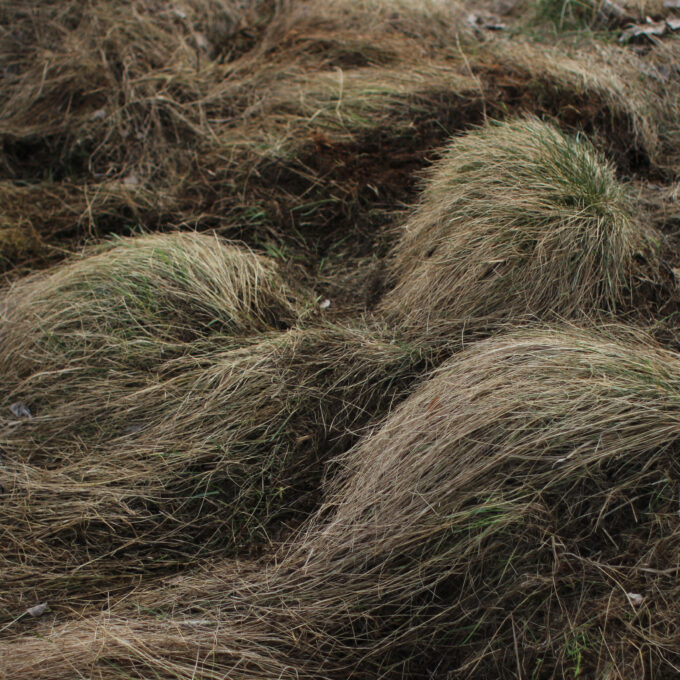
(309,358)
(518,221)
(126,467)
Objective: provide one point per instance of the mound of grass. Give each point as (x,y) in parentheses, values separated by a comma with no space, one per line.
(95,350)
(518,221)
(517,514)
(121,471)
(140,300)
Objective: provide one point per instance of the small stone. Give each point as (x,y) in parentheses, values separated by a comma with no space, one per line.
(20,410)
(201,41)
(635,599)
(131,180)
(38,610)
(133,429)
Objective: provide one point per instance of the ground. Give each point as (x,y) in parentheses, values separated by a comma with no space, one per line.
(339,340)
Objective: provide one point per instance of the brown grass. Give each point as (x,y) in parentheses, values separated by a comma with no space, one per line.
(170,406)
(302,123)
(142,298)
(205,472)
(533,532)
(518,221)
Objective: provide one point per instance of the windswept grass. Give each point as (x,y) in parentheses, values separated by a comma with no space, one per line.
(124,471)
(215,461)
(518,221)
(174,401)
(515,514)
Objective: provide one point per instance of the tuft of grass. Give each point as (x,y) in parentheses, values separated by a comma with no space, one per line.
(147,444)
(518,221)
(141,299)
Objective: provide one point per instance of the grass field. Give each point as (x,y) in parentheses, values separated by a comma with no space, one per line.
(339,340)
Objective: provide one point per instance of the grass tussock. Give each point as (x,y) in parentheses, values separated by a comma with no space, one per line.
(140,300)
(515,514)
(122,471)
(518,221)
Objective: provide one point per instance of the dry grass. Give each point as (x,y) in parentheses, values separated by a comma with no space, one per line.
(141,113)
(301,123)
(124,471)
(141,300)
(518,221)
(221,477)
(515,515)
(169,405)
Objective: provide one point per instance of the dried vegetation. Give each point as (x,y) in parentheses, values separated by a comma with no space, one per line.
(174,397)
(518,222)
(339,340)
(517,514)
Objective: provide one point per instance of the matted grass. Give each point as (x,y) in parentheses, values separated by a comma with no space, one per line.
(186,477)
(518,221)
(175,405)
(300,124)
(124,471)
(517,514)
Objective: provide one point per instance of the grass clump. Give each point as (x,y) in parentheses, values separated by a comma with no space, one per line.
(123,472)
(517,514)
(113,345)
(141,299)
(518,221)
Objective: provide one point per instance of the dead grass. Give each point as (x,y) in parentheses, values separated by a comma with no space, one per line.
(518,221)
(170,407)
(533,532)
(299,124)
(139,300)
(188,494)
